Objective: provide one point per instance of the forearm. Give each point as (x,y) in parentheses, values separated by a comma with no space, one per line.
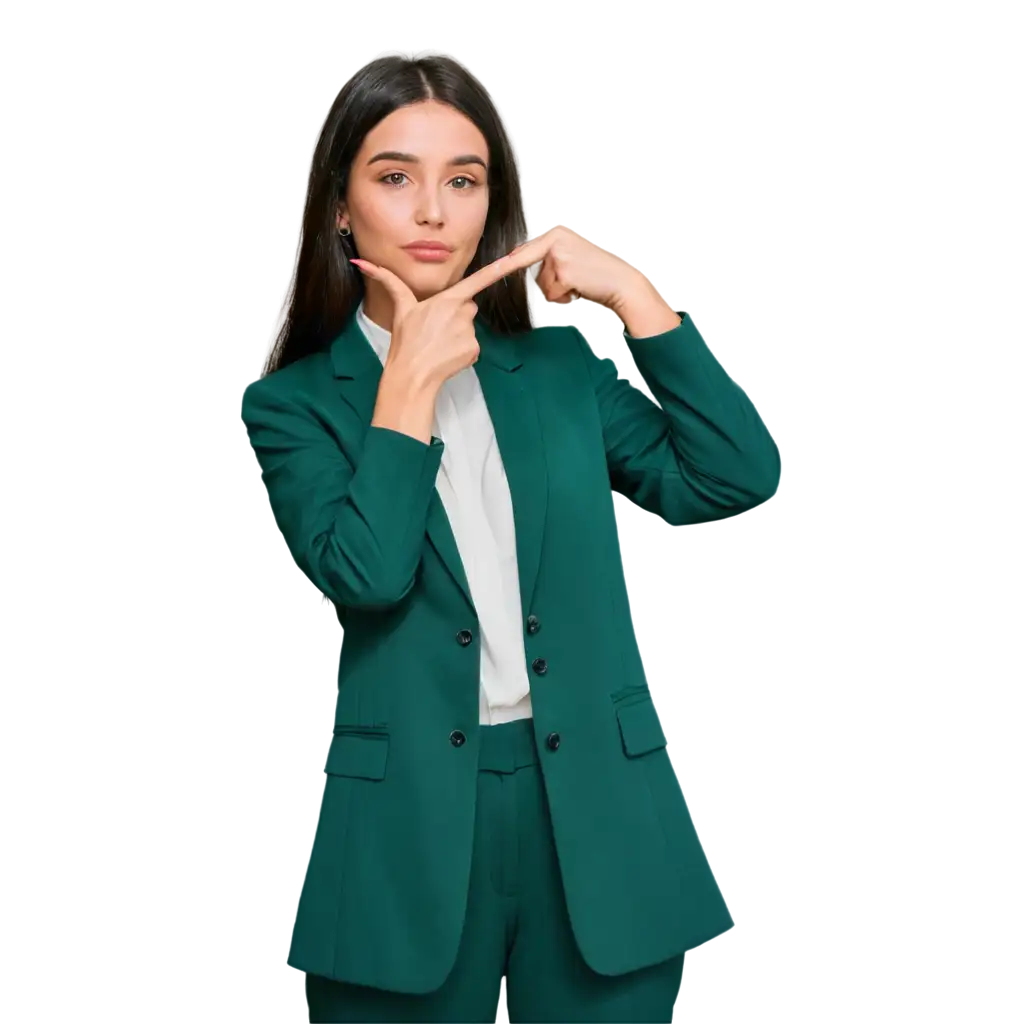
(353,516)
(404,403)
(721,442)
(371,545)
(703,451)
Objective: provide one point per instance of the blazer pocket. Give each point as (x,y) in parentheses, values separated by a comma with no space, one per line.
(636,691)
(358,752)
(639,726)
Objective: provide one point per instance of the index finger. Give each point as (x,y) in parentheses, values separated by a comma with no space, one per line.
(528,253)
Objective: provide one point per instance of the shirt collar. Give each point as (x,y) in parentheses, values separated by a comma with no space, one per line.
(376,335)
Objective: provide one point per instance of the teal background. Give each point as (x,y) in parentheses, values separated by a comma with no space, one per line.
(851,725)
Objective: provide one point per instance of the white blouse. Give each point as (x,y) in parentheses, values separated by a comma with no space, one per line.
(474,489)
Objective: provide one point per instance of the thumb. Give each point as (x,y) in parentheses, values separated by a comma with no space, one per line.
(401,294)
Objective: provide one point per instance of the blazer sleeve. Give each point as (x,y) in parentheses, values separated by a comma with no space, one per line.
(702,452)
(355,529)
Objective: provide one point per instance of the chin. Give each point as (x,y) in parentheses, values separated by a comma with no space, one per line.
(427,281)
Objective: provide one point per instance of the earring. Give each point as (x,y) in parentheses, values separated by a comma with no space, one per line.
(344,232)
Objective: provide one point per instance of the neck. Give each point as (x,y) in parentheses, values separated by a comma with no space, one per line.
(378,306)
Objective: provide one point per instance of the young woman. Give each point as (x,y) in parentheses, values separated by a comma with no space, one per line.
(499,800)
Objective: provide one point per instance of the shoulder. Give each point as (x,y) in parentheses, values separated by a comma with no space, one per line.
(570,335)
(563,335)
(306,379)
(585,342)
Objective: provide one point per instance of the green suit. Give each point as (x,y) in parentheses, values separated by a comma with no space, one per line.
(384,896)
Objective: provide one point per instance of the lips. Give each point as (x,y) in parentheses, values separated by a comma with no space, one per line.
(424,244)
(429,254)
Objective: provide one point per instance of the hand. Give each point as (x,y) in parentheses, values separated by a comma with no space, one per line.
(433,339)
(442,325)
(574,268)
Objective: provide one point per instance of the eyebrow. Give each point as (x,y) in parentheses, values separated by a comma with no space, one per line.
(410,158)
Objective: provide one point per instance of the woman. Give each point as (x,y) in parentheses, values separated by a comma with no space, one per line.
(499,800)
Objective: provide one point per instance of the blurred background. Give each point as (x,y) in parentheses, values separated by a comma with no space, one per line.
(831,191)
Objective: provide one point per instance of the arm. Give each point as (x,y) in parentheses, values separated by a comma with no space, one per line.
(356,531)
(704,453)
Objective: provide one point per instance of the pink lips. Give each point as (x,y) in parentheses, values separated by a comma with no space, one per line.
(428,254)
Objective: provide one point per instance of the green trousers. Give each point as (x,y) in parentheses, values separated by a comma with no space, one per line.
(517,925)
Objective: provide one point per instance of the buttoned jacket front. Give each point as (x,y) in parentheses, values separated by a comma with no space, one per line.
(384,897)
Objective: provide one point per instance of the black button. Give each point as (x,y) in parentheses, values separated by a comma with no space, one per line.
(540,666)
(457,737)
(464,636)
(553,740)
(532,623)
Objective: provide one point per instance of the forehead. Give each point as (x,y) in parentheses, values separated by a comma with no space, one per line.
(432,131)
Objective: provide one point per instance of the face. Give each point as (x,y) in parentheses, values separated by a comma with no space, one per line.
(435,189)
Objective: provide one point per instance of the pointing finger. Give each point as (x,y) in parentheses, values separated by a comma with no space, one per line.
(529,252)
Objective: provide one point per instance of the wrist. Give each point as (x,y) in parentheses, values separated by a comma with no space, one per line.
(643,311)
(404,403)
(399,377)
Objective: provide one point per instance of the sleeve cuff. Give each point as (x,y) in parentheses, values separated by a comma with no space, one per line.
(398,475)
(683,342)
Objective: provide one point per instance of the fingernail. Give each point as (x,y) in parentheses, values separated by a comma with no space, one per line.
(358,263)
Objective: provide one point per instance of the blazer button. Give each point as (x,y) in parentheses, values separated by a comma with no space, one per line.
(464,636)
(540,666)
(553,740)
(457,737)
(532,623)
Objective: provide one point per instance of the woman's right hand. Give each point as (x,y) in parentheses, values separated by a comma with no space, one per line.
(431,339)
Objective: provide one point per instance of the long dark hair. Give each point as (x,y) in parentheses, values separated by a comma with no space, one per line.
(325,288)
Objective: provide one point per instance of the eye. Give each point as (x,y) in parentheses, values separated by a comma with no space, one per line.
(388,180)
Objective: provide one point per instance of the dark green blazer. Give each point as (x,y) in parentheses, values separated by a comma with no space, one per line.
(384,897)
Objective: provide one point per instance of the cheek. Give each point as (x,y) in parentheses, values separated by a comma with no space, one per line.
(470,231)
(476,213)
(378,224)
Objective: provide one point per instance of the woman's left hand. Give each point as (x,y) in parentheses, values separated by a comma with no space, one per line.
(573,267)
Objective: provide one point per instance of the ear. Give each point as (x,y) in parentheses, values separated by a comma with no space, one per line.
(339,216)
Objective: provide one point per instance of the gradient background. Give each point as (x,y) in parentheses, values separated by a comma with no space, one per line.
(832,191)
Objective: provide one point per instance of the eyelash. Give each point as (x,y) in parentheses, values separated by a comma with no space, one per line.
(391,184)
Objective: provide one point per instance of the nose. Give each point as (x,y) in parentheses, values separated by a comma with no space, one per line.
(429,209)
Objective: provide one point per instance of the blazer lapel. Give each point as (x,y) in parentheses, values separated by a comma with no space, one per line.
(358,371)
(503,370)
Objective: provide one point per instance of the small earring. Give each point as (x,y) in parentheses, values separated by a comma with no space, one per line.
(344,232)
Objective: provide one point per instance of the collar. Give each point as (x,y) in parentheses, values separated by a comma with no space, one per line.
(378,337)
